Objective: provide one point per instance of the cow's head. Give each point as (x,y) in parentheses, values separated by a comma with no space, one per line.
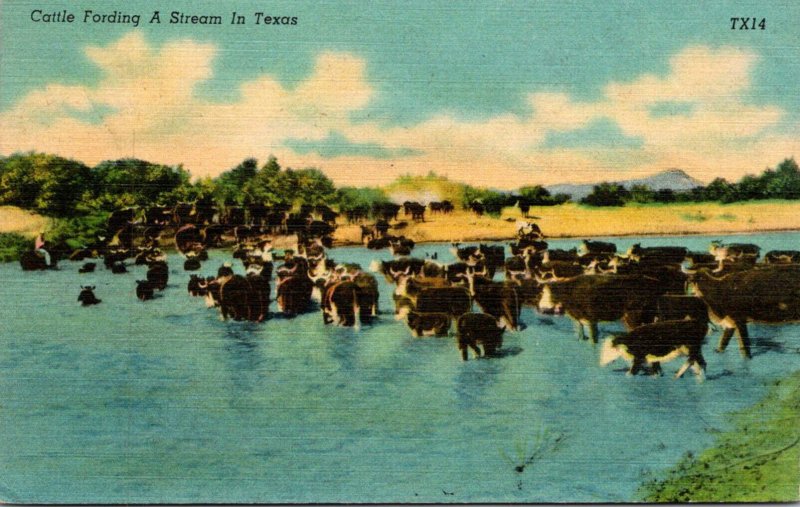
(611,350)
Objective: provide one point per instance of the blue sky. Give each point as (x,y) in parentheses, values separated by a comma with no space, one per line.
(494,93)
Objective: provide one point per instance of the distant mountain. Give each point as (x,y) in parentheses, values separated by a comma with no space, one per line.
(674,179)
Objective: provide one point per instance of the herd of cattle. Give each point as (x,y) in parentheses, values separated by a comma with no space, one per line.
(664,296)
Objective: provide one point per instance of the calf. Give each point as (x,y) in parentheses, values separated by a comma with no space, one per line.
(659,342)
(428,324)
(478,328)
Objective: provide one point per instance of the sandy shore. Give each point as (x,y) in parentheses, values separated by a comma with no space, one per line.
(13,219)
(575,221)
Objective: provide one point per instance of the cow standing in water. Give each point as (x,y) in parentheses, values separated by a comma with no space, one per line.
(659,342)
(87,297)
(769,294)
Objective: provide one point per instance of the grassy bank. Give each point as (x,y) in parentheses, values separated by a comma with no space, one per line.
(757,461)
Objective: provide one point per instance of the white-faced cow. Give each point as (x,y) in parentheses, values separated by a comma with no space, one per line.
(770,294)
(589,299)
(659,342)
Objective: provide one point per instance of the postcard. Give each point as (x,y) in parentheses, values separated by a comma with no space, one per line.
(399,252)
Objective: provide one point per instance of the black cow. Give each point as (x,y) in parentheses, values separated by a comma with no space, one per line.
(782,257)
(770,294)
(340,304)
(657,255)
(145,290)
(560,255)
(428,324)
(416,210)
(394,269)
(401,245)
(87,297)
(667,307)
(387,210)
(589,299)
(87,267)
(659,342)
(500,300)
(294,287)
(158,274)
(475,329)
(454,301)
(597,247)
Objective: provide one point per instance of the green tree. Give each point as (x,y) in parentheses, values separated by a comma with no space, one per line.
(48,184)
(134,182)
(607,194)
(642,194)
(785,183)
(720,190)
(230,184)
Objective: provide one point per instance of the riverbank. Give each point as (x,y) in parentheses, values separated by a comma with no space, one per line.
(577,221)
(19,221)
(565,221)
(756,461)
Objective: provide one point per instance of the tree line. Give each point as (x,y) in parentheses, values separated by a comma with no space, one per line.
(63,188)
(783,182)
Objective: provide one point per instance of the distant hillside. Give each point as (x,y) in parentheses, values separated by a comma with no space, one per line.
(674,179)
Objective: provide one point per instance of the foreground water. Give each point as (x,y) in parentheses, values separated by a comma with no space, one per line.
(162,402)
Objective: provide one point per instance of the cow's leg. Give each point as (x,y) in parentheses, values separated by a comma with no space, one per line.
(579,330)
(656,369)
(636,365)
(683,368)
(593,331)
(727,333)
(474,346)
(699,370)
(744,339)
(464,354)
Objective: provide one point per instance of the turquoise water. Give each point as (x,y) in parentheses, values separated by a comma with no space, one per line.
(160,401)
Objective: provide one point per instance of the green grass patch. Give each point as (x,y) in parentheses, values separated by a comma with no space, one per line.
(757,461)
(12,245)
(727,217)
(697,216)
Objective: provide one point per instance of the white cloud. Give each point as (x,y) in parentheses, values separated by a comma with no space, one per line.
(145,106)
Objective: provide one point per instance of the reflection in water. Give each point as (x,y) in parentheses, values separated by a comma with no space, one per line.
(243,359)
(474,379)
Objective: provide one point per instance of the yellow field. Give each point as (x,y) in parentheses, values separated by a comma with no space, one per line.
(13,219)
(573,220)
